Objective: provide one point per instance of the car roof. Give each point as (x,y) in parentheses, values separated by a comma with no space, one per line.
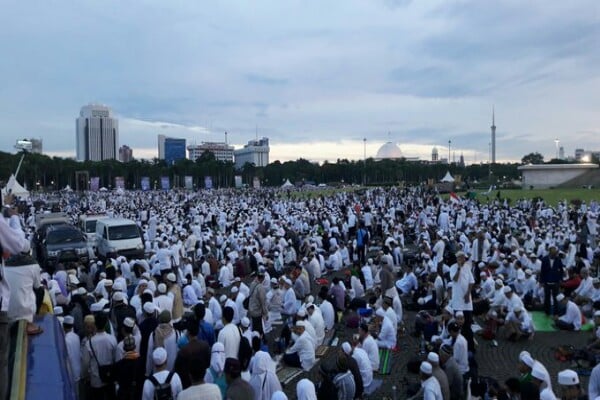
(117,221)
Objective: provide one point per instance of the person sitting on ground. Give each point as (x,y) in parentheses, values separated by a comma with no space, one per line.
(518,324)
(302,352)
(571,319)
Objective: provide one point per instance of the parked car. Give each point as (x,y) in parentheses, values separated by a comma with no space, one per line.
(62,243)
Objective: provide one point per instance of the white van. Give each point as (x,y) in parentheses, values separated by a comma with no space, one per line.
(87,224)
(118,237)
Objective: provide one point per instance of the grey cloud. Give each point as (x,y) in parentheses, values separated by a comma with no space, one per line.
(265,80)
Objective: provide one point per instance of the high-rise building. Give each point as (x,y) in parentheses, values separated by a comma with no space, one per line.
(579,153)
(561,153)
(174,149)
(435,154)
(125,154)
(493,127)
(222,151)
(97,134)
(255,152)
(161,147)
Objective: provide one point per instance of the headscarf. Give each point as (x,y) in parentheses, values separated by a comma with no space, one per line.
(305,390)
(263,379)
(217,357)
(163,330)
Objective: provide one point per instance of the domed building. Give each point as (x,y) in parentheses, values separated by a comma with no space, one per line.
(389,150)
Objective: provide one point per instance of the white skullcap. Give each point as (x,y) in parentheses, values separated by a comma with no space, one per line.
(301,312)
(69,320)
(97,307)
(159,356)
(162,288)
(526,359)
(108,282)
(149,307)
(518,309)
(301,323)
(58,310)
(235,289)
(171,277)
(129,322)
(223,298)
(118,296)
(459,314)
(538,372)
(346,348)
(426,368)
(560,297)
(81,291)
(597,313)
(245,322)
(507,289)
(568,377)
(274,281)
(433,357)
(499,282)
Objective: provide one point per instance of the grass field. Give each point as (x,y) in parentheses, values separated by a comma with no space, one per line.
(551,196)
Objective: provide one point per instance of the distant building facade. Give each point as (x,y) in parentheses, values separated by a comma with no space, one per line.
(435,155)
(174,150)
(161,147)
(97,135)
(255,152)
(125,154)
(221,150)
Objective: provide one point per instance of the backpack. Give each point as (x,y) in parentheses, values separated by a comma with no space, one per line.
(162,391)
(245,351)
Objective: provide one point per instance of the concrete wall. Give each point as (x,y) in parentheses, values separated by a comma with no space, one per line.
(545,176)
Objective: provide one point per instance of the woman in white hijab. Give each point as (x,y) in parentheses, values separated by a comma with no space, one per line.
(264,380)
(305,390)
(214,374)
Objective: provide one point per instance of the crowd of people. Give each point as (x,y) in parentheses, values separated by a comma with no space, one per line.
(236,284)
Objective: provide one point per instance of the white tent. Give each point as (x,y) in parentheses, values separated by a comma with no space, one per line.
(15,188)
(447,177)
(287,184)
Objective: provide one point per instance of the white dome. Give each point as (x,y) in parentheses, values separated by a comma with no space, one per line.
(389,150)
(434,151)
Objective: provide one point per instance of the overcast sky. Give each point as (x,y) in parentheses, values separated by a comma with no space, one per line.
(316,77)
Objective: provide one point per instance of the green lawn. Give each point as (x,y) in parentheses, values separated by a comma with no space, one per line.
(551,196)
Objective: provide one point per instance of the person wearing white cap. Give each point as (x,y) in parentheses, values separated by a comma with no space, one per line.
(247,331)
(518,324)
(538,378)
(570,320)
(568,380)
(302,353)
(230,302)
(439,374)
(128,330)
(163,301)
(527,364)
(429,384)
(290,303)
(73,345)
(387,336)
(462,284)
(362,360)
(174,291)
(213,306)
(511,301)
(161,376)
(230,334)
(225,275)
(316,320)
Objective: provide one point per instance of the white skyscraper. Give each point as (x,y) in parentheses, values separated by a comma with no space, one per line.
(97,134)
(255,152)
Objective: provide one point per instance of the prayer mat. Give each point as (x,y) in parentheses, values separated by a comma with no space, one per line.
(385,361)
(288,374)
(542,322)
(375,384)
(321,351)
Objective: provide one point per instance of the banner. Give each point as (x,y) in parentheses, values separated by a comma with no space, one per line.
(145,183)
(208,182)
(165,183)
(189,182)
(94,183)
(256,183)
(238,181)
(119,182)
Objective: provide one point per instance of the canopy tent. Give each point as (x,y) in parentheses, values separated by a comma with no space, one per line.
(447,177)
(15,188)
(287,184)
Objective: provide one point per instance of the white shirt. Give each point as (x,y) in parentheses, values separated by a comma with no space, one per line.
(104,346)
(170,345)
(431,389)
(328,314)
(305,348)
(206,391)
(22,280)
(225,276)
(461,287)
(572,315)
(164,302)
(364,365)
(317,322)
(290,304)
(370,347)
(230,337)
(161,377)
(387,336)
(461,354)
(74,352)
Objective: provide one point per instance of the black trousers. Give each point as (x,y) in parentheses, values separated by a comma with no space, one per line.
(292,360)
(257,326)
(550,293)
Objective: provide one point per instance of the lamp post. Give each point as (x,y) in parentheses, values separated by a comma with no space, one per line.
(364,161)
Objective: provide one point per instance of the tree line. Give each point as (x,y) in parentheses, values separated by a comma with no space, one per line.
(41,172)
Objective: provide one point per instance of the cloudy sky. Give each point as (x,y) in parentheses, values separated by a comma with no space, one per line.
(316,77)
